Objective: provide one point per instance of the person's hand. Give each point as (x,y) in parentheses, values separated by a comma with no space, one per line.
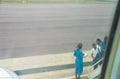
(85,55)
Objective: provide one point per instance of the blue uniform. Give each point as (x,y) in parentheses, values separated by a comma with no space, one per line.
(101,50)
(78,61)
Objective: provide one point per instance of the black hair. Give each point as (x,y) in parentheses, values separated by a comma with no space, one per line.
(98,39)
(93,44)
(79,46)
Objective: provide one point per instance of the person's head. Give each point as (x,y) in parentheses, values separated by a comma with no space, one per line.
(79,46)
(94,45)
(105,39)
(98,41)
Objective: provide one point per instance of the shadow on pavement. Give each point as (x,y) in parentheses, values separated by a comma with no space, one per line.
(47,69)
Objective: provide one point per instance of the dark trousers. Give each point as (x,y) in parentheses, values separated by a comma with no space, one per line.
(96,65)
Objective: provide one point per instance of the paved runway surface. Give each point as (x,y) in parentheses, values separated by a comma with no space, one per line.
(37,29)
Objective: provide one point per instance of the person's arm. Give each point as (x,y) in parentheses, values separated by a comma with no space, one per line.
(92,55)
(74,53)
(83,54)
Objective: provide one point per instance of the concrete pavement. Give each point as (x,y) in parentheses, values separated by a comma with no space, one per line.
(52,66)
(43,32)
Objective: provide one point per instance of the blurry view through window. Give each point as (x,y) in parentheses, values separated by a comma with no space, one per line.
(38,37)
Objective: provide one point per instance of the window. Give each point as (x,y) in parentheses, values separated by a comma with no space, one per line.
(38,37)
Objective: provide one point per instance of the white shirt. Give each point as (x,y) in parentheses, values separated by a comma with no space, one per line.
(98,47)
(94,52)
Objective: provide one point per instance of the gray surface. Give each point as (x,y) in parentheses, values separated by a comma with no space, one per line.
(36,29)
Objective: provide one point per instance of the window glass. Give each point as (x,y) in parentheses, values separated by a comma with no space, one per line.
(39,38)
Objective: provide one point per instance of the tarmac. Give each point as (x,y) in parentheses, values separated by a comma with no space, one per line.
(51,66)
(40,26)
(37,29)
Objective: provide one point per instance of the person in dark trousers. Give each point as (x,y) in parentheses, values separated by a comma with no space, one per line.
(78,53)
(94,52)
(101,50)
(105,40)
(101,46)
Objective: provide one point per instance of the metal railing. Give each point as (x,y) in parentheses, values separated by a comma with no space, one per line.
(97,62)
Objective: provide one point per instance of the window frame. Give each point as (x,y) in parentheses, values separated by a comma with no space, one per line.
(108,64)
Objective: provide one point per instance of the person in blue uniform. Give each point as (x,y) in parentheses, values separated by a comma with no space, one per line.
(78,53)
(101,45)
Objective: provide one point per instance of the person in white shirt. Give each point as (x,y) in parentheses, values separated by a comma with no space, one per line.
(94,51)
